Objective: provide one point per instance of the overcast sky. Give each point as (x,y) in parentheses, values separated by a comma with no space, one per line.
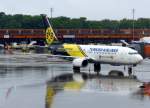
(92,9)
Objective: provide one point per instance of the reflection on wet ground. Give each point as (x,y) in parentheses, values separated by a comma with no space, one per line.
(53,85)
(89,84)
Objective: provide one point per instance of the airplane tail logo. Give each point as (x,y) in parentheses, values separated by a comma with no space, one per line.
(50,35)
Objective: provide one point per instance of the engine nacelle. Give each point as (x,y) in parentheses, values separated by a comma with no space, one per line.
(80,62)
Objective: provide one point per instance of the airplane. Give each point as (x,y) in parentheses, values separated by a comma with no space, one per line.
(25,46)
(82,55)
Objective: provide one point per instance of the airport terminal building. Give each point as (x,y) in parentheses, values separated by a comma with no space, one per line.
(81,36)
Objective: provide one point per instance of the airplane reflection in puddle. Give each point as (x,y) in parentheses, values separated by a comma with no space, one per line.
(92,83)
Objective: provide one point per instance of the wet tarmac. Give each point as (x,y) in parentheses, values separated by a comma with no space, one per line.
(39,82)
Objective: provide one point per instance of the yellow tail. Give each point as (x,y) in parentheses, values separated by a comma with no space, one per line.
(50,35)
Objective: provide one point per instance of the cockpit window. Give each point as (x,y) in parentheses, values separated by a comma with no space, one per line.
(133,53)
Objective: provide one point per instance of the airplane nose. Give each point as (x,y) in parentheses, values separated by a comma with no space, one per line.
(139,58)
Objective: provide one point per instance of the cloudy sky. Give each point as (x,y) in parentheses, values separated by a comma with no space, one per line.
(92,9)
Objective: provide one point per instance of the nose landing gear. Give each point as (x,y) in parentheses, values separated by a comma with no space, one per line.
(130,72)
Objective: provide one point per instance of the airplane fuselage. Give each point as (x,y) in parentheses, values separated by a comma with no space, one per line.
(81,54)
(104,54)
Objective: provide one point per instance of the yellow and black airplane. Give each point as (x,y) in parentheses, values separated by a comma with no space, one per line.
(81,55)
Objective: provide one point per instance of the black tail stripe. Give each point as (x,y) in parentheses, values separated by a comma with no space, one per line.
(82,51)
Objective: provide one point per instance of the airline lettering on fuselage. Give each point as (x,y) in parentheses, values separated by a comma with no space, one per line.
(114,50)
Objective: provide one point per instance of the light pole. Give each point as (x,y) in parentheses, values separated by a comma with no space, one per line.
(51,10)
(133,12)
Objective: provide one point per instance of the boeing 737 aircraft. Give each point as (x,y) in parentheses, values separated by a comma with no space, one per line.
(97,54)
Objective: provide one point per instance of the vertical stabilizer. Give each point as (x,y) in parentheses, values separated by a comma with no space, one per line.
(50,35)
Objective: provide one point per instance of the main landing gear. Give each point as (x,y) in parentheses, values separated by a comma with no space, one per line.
(97,68)
(130,70)
(76,69)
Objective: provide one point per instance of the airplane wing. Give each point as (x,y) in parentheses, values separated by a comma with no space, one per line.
(70,58)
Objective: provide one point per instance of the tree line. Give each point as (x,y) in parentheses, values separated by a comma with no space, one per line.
(35,22)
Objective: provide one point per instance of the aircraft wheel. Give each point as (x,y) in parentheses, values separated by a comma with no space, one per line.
(76,69)
(97,68)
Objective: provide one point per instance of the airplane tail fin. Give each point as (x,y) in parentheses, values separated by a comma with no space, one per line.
(50,35)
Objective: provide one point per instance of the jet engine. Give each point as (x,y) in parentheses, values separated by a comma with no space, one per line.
(80,62)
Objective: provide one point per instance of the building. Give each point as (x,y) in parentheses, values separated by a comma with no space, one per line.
(82,36)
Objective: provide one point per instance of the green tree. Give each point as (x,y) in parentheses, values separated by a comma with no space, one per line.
(62,22)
